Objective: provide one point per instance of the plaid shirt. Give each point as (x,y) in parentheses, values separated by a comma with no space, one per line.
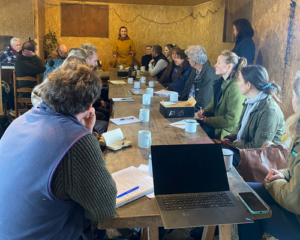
(8,56)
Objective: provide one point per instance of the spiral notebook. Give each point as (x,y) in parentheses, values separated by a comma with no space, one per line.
(131,185)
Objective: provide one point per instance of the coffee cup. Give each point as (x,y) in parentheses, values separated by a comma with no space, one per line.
(121,67)
(136,67)
(137,85)
(151,84)
(146,99)
(174,96)
(144,139)
(138,72)
(143,80)
(130,81)
(149,91)
(150,165)
(143,68)
(228,158)
(144,115)
(190,125)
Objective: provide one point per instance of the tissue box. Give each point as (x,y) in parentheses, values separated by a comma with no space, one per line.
(169,111)
(122,73)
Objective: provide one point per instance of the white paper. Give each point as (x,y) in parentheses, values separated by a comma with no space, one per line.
(181,124)
(117,82)
(125,120)
(151,195)
(130,178)
(169,103)
(123,99)
(113,136)
(144,168)
(164,92)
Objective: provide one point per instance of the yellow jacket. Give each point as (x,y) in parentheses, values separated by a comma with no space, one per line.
(123,48)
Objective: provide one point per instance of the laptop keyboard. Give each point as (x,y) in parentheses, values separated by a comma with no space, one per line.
(209,200)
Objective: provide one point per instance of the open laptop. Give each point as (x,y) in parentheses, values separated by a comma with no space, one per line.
(191,187)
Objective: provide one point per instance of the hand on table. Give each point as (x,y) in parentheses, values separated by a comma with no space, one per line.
(225,141)
(274,175)
(89,121)
(201,114)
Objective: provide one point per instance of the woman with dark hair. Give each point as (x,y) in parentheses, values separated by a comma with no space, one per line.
(262,119)
(168,51)
(123,49)
(181,72)
(244,45)
(222,115)
(280,189)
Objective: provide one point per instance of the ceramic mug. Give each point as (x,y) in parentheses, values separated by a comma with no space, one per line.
(190,125)
(149,91)
(228,158)
(143,68)
(151,84)
(142,80)
(146,99)
(144,139)
(136,67)
(121,67)
(130,81)
(137,85)
(144,115)
(174,96)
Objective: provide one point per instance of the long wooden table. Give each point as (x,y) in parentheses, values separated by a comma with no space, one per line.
(144,211)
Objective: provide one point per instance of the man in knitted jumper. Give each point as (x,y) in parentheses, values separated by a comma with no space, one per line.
(55,177)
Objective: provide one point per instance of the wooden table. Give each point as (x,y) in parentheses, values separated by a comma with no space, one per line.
(122,91)
(144,211)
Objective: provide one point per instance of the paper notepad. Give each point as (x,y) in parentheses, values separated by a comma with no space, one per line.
(163,93)
(118,82)
(180,124)
(125,120)
(115,140)
(131,178)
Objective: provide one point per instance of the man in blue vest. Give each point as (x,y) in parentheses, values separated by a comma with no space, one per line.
(52,173)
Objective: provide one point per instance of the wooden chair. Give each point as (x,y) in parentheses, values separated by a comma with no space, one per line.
(23,90)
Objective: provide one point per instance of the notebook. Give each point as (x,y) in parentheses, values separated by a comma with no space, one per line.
(125,120)
(129,99)
(115,140)
(129,179)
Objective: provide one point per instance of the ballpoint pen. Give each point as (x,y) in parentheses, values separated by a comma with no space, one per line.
(129,191)
(122,119)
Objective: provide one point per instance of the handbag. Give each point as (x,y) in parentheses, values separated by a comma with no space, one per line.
(256,162)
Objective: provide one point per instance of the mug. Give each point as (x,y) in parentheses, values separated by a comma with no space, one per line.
(144,115)
(146,99)
(228,158)
(149,91)
(130,81)
(190,125)
(151,83)
(138,72)
(121,67)
(144,139)
(137,85)
(136,67)
(143,68)
(150,165)
(174,96)
(142,80)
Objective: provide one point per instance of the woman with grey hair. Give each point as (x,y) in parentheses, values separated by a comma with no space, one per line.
(202,77)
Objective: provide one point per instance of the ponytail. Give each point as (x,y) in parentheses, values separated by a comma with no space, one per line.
(237,62)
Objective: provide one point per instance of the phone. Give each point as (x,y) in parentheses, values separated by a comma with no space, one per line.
(254,205)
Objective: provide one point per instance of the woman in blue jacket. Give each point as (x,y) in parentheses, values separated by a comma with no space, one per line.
(244,45)
(181,72)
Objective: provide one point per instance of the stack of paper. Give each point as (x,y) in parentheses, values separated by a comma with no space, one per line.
(129,99)
(117,82)
(163,93)
(125,120)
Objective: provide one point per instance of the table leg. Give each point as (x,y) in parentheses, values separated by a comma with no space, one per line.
(225,232)
(149,233)
(208,232)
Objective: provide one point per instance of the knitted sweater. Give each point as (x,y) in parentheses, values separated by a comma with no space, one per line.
(83,177)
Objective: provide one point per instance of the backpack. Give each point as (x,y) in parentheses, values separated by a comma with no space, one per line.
(5,121)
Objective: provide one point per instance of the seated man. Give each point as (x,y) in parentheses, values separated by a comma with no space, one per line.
(28,64)
(199,85)
(147,57)
(12,52)
(159,62)
(56,171)
(60,53)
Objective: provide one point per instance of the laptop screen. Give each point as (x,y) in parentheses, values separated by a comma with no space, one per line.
(188,169)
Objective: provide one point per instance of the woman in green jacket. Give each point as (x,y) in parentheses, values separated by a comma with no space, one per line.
(281,189)
(262,119)
(222,115)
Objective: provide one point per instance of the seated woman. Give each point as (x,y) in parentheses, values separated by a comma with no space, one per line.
(262,119)
(222,115)
(168,51)
(281,188)
(181,72)
(166,77)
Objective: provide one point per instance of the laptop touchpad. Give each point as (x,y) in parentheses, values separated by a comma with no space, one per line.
(204,216)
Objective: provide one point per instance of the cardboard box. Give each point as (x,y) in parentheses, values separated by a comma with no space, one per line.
(169,111)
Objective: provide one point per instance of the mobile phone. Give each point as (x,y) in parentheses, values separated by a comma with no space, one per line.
(254,205)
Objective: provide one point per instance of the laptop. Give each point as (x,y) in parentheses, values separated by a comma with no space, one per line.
(191,187)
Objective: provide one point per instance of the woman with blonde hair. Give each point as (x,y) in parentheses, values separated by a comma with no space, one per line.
(281,189)
(222,115)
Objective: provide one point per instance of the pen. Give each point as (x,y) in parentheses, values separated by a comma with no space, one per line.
(122,119)
(126,98)
(129,191)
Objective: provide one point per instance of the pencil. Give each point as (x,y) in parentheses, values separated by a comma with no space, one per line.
(179,124)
